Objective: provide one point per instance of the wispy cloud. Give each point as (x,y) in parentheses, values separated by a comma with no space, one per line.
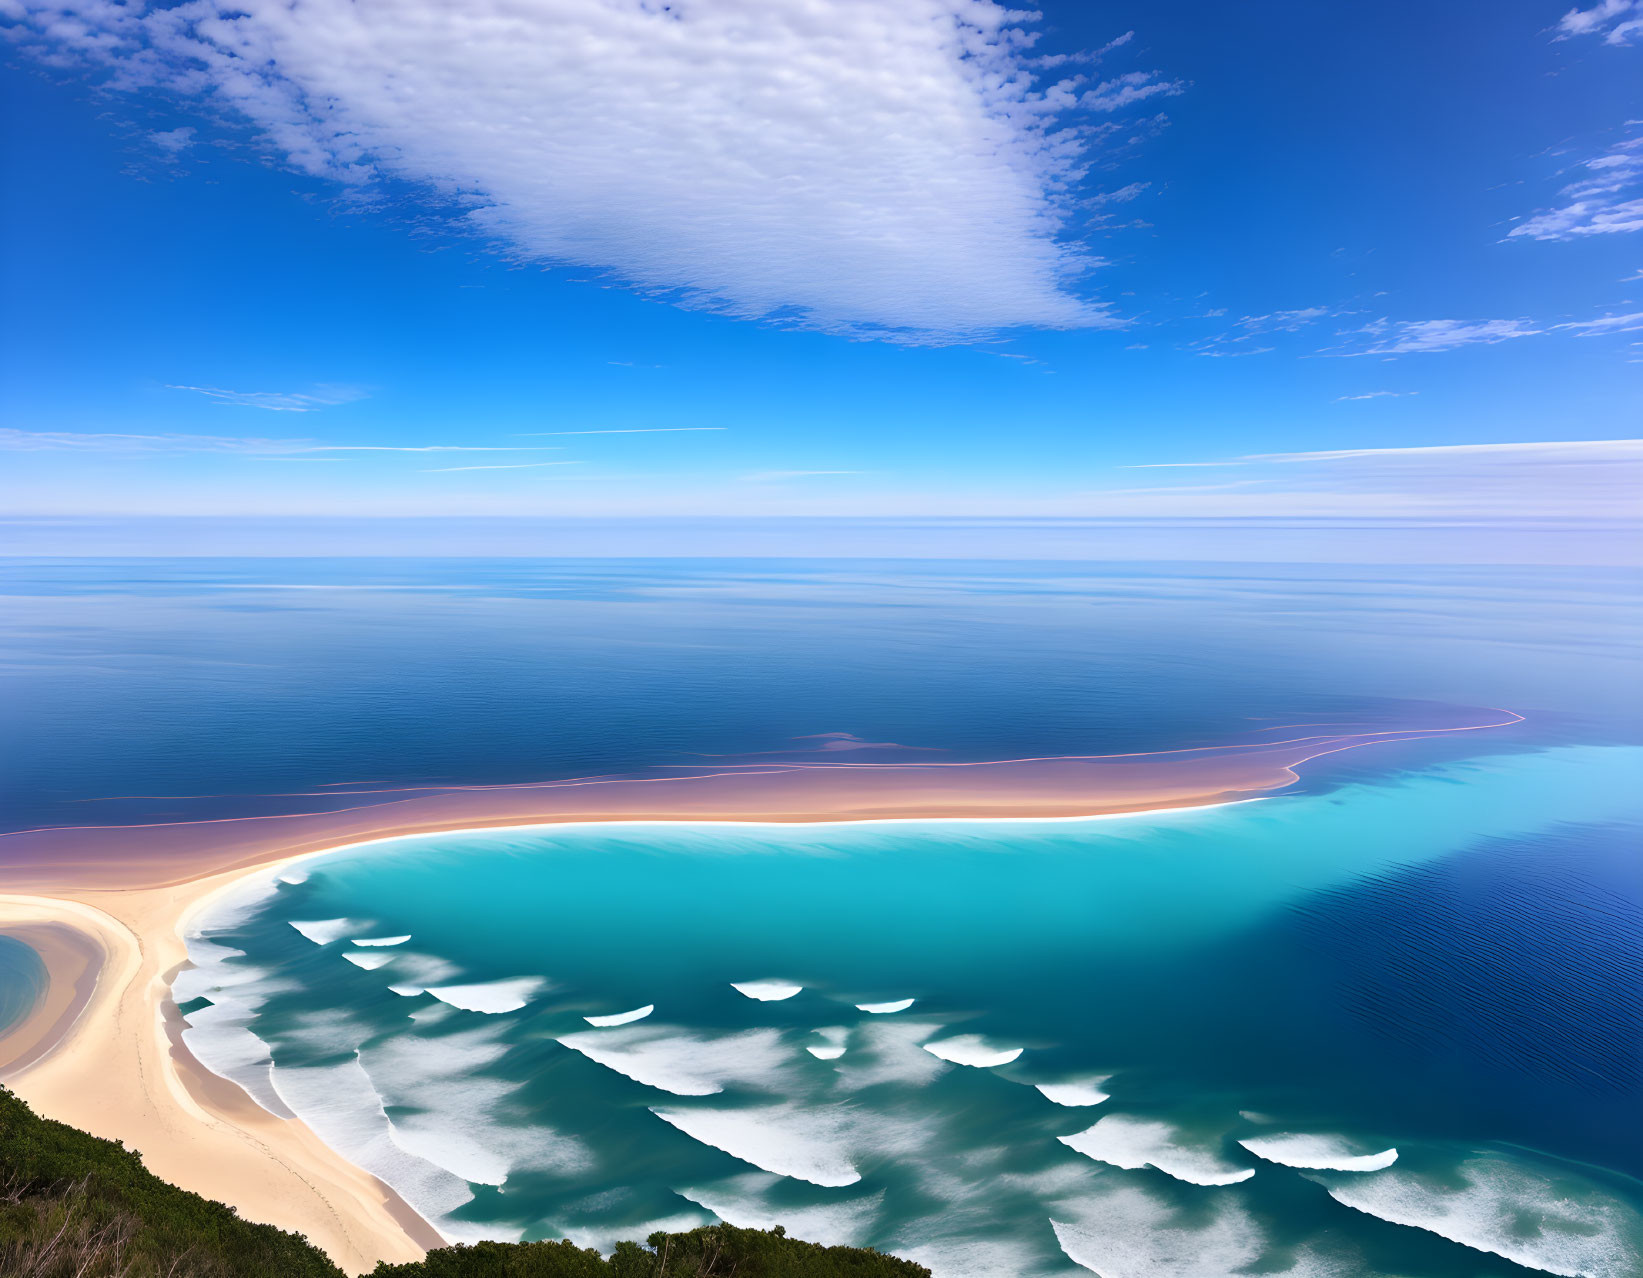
(1607,199)
(172,141)
(1583,451)
(877,170)
(1413,337)
(433,448)
(775,476)
(1607,324)
(1125,90)
(1380,394)
(15,440)
(1123,195)
(1617,21)
(1556,478)
(631,430)
(1242,336)
(447,470)
(280,401)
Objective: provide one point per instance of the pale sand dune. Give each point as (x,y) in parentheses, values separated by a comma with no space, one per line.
(105,908)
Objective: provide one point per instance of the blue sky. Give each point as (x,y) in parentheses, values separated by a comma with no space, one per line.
(590,257)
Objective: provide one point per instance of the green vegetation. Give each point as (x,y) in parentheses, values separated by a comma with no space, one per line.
(718,1251)
(75,1206)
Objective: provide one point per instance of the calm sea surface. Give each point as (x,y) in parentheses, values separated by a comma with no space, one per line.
(1184,1043)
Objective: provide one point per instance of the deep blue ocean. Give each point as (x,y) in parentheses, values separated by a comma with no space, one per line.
(1389,1021)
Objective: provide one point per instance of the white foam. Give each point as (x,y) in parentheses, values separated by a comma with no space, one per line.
(890,1052)
(884,1009)
(219,1034)
(220,1039)
(451,1113)
(420,971)
(1307,1261)
(342,1107)
(324,931)
(322,1032)
(1122,1140)
(381,940)
(972,1049)
(974,1257)
(834,1038)
(622,1018)
(801,1141)
(677,1061)
(213,979)
(744,1201)
(604,1236)
(407,991)
(491,997)
(369,962)
(294,876)
(766,991)
(1561,1224)
(1318,1153)
(1077,1092)
(1125,1232)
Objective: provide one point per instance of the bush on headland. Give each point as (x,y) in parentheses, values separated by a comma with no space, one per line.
(716,1251)
(75,1206)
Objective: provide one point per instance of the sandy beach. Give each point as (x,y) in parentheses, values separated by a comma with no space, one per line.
(107,907)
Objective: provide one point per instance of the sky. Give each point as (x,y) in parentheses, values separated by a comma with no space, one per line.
(822,257)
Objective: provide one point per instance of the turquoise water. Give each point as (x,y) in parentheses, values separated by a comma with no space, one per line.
(1442,962)
(22,981)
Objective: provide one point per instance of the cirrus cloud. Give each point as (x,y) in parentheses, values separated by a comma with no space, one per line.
(870,169)
(1606,199)
(1617,21)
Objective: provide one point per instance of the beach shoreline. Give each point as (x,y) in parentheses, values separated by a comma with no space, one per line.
(106,1055)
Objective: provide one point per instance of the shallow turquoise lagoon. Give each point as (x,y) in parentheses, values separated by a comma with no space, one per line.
(22,981)
(1180,1043)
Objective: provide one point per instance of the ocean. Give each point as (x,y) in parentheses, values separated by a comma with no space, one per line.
(1386,1021)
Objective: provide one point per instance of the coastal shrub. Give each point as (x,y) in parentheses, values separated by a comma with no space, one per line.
(75,1206)
(716,1251)
(502,1260)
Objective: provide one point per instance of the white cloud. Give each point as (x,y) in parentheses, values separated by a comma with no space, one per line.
(447,470)
(1583,450)
(1380,394)
(1131,87)
(776,476)
(173,141)
(1607,199)
(277,401)
(861,167)
(1607,324)
(34,441)
(630,430)
(1123,195)
(1559,478)
(1405,337)
(1617,21)
(1250,327)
